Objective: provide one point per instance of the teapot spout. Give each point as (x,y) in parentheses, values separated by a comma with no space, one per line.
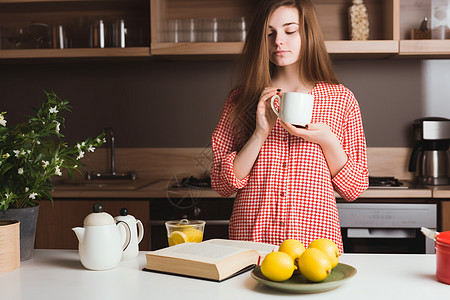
(79,232)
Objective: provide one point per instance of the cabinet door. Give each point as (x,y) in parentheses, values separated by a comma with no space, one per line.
(55,222)
(445,215)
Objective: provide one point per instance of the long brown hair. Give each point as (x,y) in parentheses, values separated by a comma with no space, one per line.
(255,69)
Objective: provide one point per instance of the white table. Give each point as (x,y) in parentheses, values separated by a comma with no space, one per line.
(58,274)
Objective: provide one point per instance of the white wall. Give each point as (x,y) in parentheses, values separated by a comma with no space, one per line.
(436,87)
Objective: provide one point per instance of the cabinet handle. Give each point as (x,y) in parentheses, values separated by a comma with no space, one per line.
(375,233)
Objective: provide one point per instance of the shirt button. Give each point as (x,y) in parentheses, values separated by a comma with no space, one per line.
(284,165)
(282,194)
(281,223)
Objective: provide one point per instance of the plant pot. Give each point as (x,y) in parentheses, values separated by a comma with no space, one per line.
(28,219)
(9,245)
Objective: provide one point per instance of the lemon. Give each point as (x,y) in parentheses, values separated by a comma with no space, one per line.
(293,248)
(277,266)
(177,237)
(314,265)
(329,248)
(193,235)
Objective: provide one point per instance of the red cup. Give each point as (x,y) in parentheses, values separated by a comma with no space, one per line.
(443,257)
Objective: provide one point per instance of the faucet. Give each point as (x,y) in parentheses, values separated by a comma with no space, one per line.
(112,174)
(112,146)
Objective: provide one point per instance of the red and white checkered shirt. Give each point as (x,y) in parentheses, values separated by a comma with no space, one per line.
(289,192)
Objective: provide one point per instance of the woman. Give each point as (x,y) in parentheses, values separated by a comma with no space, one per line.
(285,176)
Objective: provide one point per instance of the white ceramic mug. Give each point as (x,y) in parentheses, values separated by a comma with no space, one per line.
(294,108)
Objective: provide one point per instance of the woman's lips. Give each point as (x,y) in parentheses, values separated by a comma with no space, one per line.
(281,52)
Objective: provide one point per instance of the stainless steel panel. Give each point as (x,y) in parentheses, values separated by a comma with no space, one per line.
(387,215)
(436,130)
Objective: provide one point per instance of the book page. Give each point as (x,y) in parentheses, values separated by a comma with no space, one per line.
(262,248)
(205,252)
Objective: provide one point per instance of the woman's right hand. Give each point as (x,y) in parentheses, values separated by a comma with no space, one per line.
(265,117)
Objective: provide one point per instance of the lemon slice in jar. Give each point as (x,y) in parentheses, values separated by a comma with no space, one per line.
(177,237)
(194,235)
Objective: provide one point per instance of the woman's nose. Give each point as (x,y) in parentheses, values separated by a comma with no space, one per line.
(279,40)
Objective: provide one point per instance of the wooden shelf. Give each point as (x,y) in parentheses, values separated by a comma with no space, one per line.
(379,47)
(74,52)
(195,48)
(372,47)
(424,48)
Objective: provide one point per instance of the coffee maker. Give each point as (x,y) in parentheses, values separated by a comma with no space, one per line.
(430,158)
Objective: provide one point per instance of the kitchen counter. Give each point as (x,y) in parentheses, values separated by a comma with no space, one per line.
(162,188)
(58,274)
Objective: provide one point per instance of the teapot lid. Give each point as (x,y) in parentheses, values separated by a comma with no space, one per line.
(98,218)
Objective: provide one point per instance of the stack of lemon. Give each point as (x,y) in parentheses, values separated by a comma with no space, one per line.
(314,263)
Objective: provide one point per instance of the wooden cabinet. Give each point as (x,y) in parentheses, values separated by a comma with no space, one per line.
(33,28)
(170,17)
(411,15)
(55,222)
(208,27)
(445,215)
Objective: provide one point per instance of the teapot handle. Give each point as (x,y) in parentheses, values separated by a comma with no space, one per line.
(128,234)
(141,230)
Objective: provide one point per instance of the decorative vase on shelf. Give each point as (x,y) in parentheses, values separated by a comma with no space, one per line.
(358,21)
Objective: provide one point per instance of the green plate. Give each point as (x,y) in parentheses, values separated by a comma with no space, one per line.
(299,284)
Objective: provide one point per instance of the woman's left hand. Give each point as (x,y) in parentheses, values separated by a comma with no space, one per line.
(319,133)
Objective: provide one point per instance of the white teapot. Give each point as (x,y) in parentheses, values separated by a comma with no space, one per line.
(102,240)
(137,233)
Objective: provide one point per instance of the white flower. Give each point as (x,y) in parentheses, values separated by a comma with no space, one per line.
(19,152)
(58,171)
(91,148)
(57,126)
(20,171)
(6,155)
(37,142)
(8,195)
(53,110)
(2,120)
(33,196)
(45,163)
(3,203)
(79,146)
(26,190)
(80,155)
(99,140)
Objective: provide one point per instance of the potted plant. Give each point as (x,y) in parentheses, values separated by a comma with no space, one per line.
(31,153)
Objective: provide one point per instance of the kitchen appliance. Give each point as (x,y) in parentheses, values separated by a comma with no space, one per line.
(430,158)
(387,227)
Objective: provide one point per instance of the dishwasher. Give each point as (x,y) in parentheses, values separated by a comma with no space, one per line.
(387,227)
